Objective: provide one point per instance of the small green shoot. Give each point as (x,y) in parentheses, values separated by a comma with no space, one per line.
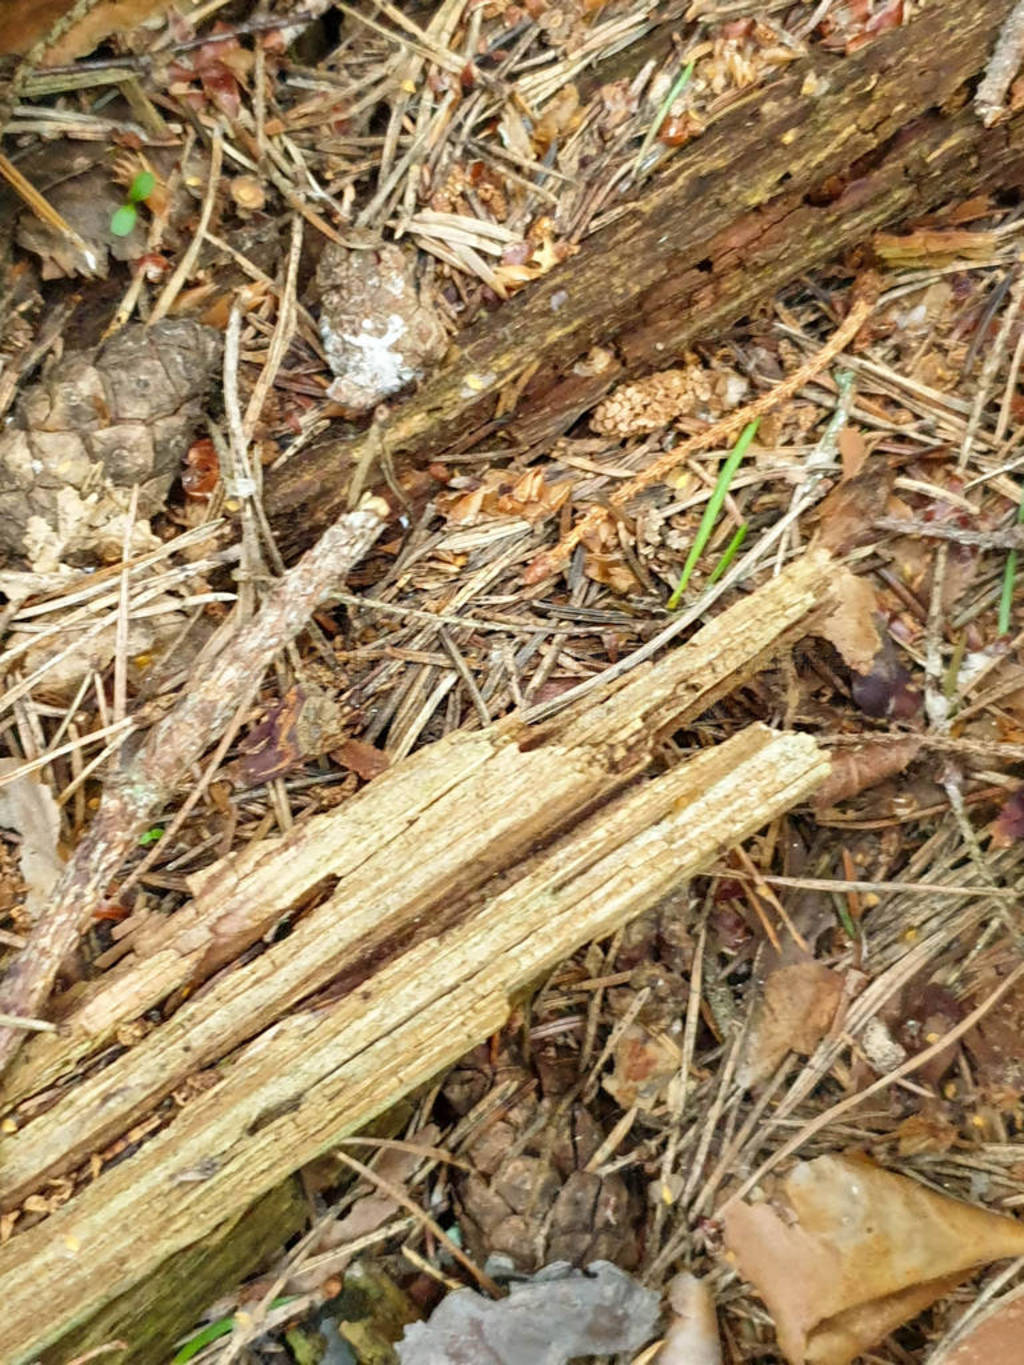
(678,86)
(151,836)
(123,219)
(1010,578)
(212,1332)
(707,521)
(731,550)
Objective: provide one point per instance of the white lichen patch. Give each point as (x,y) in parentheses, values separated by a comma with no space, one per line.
(379,333)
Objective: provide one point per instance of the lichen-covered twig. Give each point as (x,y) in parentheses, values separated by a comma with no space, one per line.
(550,561)
(149,777)
(1003,65)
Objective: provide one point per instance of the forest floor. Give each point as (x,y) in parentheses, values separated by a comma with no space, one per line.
(307,216)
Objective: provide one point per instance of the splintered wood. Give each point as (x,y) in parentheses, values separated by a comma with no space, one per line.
(420,942)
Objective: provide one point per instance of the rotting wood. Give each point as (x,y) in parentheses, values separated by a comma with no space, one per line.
(427,955)
(326,1070)
(778,185)
(151,1315)
(221,683)
(430,829)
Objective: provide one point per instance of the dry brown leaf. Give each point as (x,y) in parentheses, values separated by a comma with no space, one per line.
(848,514)
(24,22)
(796,1010)
(645,1063)
(853,452)
(365,760)
(28,807)
(854,770)
(997,1340)
(845,1252)
(851,627)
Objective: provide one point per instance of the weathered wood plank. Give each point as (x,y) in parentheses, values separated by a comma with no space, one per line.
(419,837)
(325,1071)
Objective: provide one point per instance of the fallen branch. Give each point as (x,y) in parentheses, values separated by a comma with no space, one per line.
(424,832)
(150,776)
(780,184)
(326,1070)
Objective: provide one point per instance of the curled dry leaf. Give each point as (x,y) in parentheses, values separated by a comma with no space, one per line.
(796,1010)
(844,1252)
(854,770)
(851,627)
(692,1336)
(27,806)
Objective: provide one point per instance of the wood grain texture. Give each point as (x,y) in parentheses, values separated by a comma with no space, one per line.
(323,1072)
(780,184)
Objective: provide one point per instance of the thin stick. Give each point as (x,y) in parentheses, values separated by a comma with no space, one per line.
(148,779)
(551,561)
(400,1197)
(172,288)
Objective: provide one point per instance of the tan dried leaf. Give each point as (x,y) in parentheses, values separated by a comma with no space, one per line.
(854,770)
(851,627)
(28,807)
(797,1007)
(997,1340)
(845,1252)
(692,1336)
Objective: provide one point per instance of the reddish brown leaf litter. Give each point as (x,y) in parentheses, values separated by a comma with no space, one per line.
(819,1037)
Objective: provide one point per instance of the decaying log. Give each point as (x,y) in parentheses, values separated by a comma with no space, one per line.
(783,182)
(451,892)
(431,828)
(220,684)
(153,1314)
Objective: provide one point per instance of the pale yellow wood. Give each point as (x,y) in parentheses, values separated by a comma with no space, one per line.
(472,802)
(321,1073)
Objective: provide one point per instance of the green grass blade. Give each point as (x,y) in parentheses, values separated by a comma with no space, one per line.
(1010,578)
(707,521)
(738,537)
(678,86)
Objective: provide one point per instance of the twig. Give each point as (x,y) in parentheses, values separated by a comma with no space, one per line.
(172,288)
(1002,67)
(148,779)
(550,561)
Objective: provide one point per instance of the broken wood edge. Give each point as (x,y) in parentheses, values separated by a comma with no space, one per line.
(243,896)
(323,1073)
(154,1314)
(788,147)
(145,779)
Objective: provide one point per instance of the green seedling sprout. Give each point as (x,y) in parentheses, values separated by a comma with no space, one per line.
(707,521)
(124,218)
(151,836)
(678,86)
(1010,577)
